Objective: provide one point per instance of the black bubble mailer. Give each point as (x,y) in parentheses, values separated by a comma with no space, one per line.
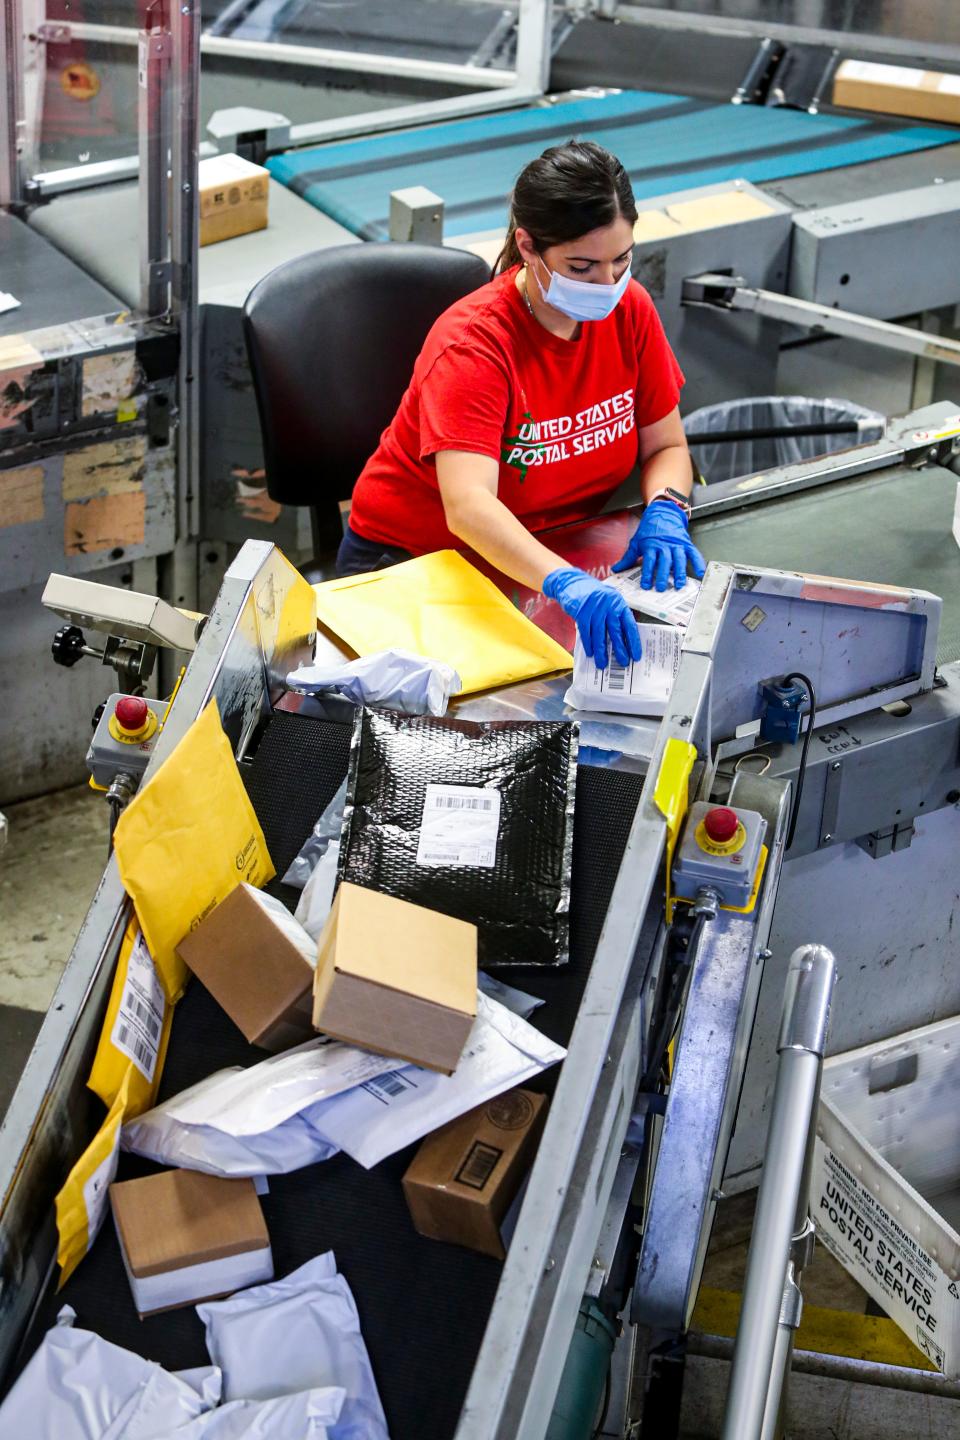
(474,819)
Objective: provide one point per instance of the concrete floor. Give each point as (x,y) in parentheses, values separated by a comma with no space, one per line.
(55,853)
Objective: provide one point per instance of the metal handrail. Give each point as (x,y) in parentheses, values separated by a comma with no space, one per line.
(782,1238)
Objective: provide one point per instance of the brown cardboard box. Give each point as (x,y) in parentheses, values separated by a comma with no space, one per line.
(234,198)
(257,961)
(463,1179)
(186,1236)
(897,90)
(396,978)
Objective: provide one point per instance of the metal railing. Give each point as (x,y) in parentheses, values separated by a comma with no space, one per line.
(783,1234)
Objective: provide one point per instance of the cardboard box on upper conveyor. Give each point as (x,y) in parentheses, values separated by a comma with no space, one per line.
(898,90)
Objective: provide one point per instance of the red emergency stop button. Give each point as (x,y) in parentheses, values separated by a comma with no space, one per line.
(721,824)
(132,721)
(131,712)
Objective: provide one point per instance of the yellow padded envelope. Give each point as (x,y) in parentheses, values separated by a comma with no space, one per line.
(440,606)
(186,839)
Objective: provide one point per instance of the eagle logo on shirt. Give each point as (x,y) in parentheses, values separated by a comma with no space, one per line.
(511,444)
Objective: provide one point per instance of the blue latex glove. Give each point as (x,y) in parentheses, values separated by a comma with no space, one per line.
(663,546)
(602,615)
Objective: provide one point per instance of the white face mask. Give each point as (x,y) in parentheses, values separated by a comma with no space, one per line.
(580,300)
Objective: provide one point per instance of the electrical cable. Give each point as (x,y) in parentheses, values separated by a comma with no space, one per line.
(672,1003)
(114,804)
(801,772)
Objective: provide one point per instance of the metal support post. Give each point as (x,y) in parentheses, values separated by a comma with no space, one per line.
(153,129)
(11,100)
(778,1245)
(184,250)
(534,37)
(728,292)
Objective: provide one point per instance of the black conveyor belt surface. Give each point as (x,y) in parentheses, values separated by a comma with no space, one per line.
(423,1305)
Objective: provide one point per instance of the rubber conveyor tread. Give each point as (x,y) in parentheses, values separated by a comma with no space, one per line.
(666,142)
(423,1305)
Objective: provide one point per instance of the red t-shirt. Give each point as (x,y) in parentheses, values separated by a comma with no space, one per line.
(560,416)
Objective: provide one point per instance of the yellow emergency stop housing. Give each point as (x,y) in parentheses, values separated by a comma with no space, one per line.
(721,847)
(132,737)
(672,799)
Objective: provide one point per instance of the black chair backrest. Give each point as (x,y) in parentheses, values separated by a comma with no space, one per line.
(332,338)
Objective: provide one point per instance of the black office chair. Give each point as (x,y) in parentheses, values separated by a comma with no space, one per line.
(332,339)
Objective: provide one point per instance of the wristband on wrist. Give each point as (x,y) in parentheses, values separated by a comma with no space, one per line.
(681,501)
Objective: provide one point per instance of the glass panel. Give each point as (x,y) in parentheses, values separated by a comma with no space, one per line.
(86,91)
(451,31)
(85,108)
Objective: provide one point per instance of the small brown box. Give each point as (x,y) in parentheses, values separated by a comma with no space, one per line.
(234,198)
(465,1176)
(257,961)
(897,90)
(396,978)
(186,1236)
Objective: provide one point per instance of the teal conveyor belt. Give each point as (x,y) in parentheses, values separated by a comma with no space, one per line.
(666,142)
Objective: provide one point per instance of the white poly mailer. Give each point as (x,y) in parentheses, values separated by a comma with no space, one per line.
(293,1334)
(80,1387)
(395,678)
(885,1196)
(310,1415)
(391,1111)
(253,1121)
(519,1001)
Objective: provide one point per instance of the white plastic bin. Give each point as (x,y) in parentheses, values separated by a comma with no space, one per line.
(886,1187)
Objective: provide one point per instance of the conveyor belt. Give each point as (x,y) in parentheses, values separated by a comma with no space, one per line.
(891,527)
(423,1305)
(666,142)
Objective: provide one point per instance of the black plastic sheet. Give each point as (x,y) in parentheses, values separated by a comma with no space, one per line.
(517,889)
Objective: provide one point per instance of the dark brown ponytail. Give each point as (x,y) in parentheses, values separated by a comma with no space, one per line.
(566,192)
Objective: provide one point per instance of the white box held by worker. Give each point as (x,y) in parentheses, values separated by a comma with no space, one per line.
(886,1188)
(642,687)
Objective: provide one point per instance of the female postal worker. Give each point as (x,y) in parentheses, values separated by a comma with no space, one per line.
(532,400)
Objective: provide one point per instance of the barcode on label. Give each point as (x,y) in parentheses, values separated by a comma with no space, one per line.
(463,802)
(387,1087)
(136,1009)
(141,1052)
(479,1165)
(616,677)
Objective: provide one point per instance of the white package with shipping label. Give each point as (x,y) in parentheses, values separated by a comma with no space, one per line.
(80,1387)
(459,826)
(138,1027)
(391,1111)
(643,687)
(398,679)
(295,1334)
(671,606)
(309,1415)
(254,1121)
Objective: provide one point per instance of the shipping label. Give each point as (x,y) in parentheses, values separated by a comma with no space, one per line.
(139,1023)
(459,826)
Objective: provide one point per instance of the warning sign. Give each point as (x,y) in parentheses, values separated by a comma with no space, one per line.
(80,81)
(881,1254)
